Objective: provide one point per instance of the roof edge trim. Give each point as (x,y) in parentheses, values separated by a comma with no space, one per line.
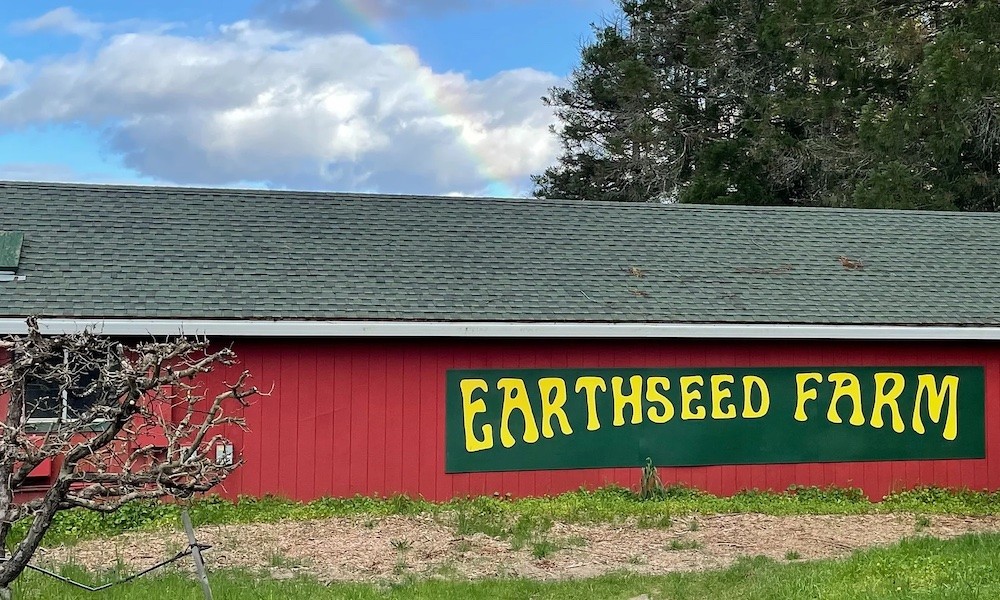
(454,329)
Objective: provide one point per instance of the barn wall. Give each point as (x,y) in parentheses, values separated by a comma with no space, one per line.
(367,416)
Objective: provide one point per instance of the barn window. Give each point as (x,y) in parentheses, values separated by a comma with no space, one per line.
(49,401)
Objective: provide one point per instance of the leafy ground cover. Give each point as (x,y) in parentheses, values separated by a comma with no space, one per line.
(967,567)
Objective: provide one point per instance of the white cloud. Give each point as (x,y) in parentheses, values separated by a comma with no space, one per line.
(10,71)
(61,20)
(317,111)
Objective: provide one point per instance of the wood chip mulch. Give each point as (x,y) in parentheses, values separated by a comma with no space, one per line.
(390,548)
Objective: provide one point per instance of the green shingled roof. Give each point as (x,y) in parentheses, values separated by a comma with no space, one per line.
(136,252)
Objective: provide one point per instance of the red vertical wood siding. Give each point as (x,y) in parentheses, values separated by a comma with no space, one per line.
(366,417)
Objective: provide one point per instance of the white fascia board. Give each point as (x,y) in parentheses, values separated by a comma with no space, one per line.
(454,329)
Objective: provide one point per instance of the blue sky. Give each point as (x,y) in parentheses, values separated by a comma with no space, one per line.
(414,96)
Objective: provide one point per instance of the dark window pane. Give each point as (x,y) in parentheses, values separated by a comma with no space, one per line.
(42,400)
(83,395)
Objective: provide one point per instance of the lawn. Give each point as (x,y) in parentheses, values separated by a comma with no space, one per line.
(967,567)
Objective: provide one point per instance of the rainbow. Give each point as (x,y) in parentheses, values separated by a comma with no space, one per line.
(372,23)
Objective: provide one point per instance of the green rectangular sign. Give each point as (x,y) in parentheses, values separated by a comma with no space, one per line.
(512,420)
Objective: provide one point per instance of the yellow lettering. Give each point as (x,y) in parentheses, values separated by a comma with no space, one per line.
(591,385)
(634,398)
(927,384)
(749,382)
(654,395)
(471,408)
(805,395)
(553,391)
(845,385)
(515,397)
(719,394)
(688,396)
(884,398)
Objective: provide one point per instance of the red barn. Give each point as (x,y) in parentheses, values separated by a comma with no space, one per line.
(452,346)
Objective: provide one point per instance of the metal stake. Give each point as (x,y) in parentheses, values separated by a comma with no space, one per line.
(199,564)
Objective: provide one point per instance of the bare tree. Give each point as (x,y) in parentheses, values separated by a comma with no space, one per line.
(118,422)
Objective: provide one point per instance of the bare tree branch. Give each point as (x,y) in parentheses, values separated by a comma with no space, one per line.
(122,423)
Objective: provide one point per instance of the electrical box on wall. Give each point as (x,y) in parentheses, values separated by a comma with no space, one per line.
(224,454)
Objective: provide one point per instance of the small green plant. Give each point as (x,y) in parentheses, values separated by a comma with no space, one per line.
(693,525)
(682,544)
(653,522)
(575,541)
(922,523)
(279,560)
(401,567)
(447,571)
(637,559)
(528,528)
(650,486)
(401,545)
(463,546)
(543,548)
(792,555)
(482,515)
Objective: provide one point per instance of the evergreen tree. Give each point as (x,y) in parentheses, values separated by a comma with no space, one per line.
(871,103)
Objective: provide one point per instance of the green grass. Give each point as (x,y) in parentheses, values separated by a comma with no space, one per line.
(653,521)
(965,568)
(922,522)
(544,548)
(684,545)
(521,520)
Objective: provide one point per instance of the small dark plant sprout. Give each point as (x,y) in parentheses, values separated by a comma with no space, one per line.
(923,522)
(401,545)
(684,545)
(693,525)
(528,528)
(792,555)
(277,559)
(653,522)
(543,548)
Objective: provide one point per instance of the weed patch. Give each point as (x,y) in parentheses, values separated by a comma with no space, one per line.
(684,545)
(653,522)
(922,523)
(543,548)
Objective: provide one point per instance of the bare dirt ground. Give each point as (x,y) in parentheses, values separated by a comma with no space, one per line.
(354,549)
